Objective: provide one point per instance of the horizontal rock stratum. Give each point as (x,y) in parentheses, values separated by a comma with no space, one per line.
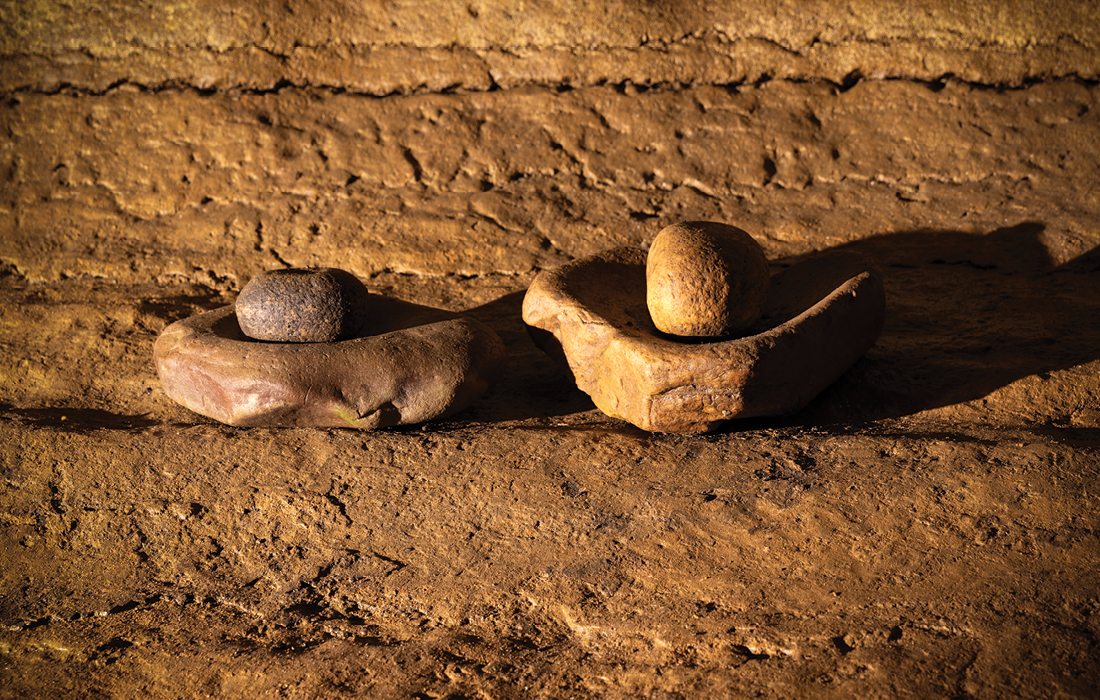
(383,48)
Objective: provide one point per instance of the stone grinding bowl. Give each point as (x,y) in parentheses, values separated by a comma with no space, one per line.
(820,316)
(409,364)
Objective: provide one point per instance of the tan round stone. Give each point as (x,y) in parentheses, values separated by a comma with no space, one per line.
(705,279)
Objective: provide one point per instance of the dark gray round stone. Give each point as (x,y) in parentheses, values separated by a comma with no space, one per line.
(300,305)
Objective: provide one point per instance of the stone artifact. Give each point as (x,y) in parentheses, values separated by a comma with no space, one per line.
(406,364)
(705,279)
(301,305)
(818,317)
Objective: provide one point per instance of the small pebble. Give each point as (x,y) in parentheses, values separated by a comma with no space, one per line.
(302,305)
(705,280)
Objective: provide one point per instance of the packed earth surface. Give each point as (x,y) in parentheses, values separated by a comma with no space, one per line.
(928,526)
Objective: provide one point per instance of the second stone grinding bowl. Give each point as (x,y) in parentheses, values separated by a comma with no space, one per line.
(820,315)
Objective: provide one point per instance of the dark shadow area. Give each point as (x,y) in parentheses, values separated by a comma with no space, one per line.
(1073,437)
(966,314)
(76,420)
(531,384)
(172,308)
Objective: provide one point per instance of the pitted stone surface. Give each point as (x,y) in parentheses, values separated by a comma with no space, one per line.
(420,364)
(705,279)
(299,305)
(820,316)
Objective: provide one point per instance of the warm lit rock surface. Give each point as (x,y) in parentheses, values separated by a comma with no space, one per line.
(820,316)
(928,525)
(705,280)
(383,48)
(509,182)
(415,364)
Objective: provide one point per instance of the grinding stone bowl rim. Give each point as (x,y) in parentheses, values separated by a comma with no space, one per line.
(204,341)
(746,381)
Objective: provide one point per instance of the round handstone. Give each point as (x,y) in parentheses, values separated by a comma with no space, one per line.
(299,305)
(705,279)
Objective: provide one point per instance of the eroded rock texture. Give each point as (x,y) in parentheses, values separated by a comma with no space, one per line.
(928,525)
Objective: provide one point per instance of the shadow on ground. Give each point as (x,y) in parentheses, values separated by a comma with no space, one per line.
(966,315)
(531,385)
(76,420)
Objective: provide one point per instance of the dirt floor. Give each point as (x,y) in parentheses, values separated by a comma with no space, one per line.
(929,526)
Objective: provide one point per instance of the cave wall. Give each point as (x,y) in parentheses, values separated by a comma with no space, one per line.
(203,141)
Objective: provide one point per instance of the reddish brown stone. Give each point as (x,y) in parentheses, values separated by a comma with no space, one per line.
(819,317)
(421,364)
